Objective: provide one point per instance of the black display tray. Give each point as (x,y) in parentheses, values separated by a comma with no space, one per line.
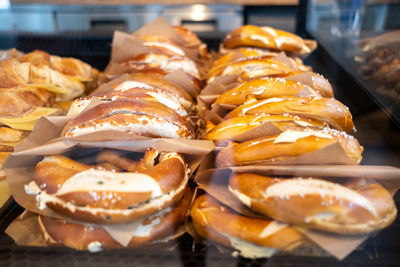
(380,250)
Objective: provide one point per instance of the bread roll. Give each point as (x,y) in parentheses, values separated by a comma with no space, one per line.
(229,129)
(135,116)
(266,37)
(149,230)
(287,145)
(265,88)
(327,110)
(252,237)
(356,207)
(94,195)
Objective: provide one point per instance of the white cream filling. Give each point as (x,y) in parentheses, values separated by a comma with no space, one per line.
(249,250)
(291,136)
(106,181)
(94,246)
(302,187)
(266,101)
(132,84)
(242,197)
(272,228)
(171,47)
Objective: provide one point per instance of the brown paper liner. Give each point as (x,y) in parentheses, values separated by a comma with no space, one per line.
(215,182)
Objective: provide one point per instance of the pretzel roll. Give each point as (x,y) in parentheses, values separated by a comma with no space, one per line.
(266,37)
(187,35)
(355,207)
(96,195)
(287,145)
(167,63)
(252,237)
(135,94)
(319,83)
(151,229)
(136,116)
(159,84)
(252,68)
(327,110)
(228,129)
(162,44)
(265,88)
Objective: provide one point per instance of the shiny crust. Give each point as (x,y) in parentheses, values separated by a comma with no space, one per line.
(153,60)
(319,83)
(79,236)
(104,206)
(160,83)
(251,68)
(323,109)
(20,101)
(264,88)
(230,128)
(187,35)
(265,151)
(162,45)
(214,221)
(265,37)
(318,204)
(136,116)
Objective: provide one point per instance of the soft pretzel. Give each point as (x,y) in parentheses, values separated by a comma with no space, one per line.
(252,68)
(153,60)
(266,37)
(327,110)
(135,93)
(355,207)
(287,145)
(135,116)
(265,88)
(96,195)
(252,237)
(152,229)
(228,129)
(162,45)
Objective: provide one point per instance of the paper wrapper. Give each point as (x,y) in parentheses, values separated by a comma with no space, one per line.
(215,182)
(24,230)
(126,45)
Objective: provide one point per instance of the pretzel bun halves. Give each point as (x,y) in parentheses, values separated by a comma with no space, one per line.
(355,207)
(252,237)
(91,194)
(328,110)
(136,116)
(288,145)
(151,229)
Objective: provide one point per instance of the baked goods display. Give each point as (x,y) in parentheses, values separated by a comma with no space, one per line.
(262,106)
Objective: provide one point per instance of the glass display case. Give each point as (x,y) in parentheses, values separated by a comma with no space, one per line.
(361,66)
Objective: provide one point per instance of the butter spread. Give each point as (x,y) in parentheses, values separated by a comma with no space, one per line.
(132,84)
(101,180)
(94,246)
(291,136)
(302,187)
(266,101)
(272,228)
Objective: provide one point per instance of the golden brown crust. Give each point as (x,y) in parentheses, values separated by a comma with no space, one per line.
(228,129)
(327,110)
(356,207)
(266,150)
(264,88)
(216,222)
(103,205)
(265,37)
(137,116)
(79,236)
